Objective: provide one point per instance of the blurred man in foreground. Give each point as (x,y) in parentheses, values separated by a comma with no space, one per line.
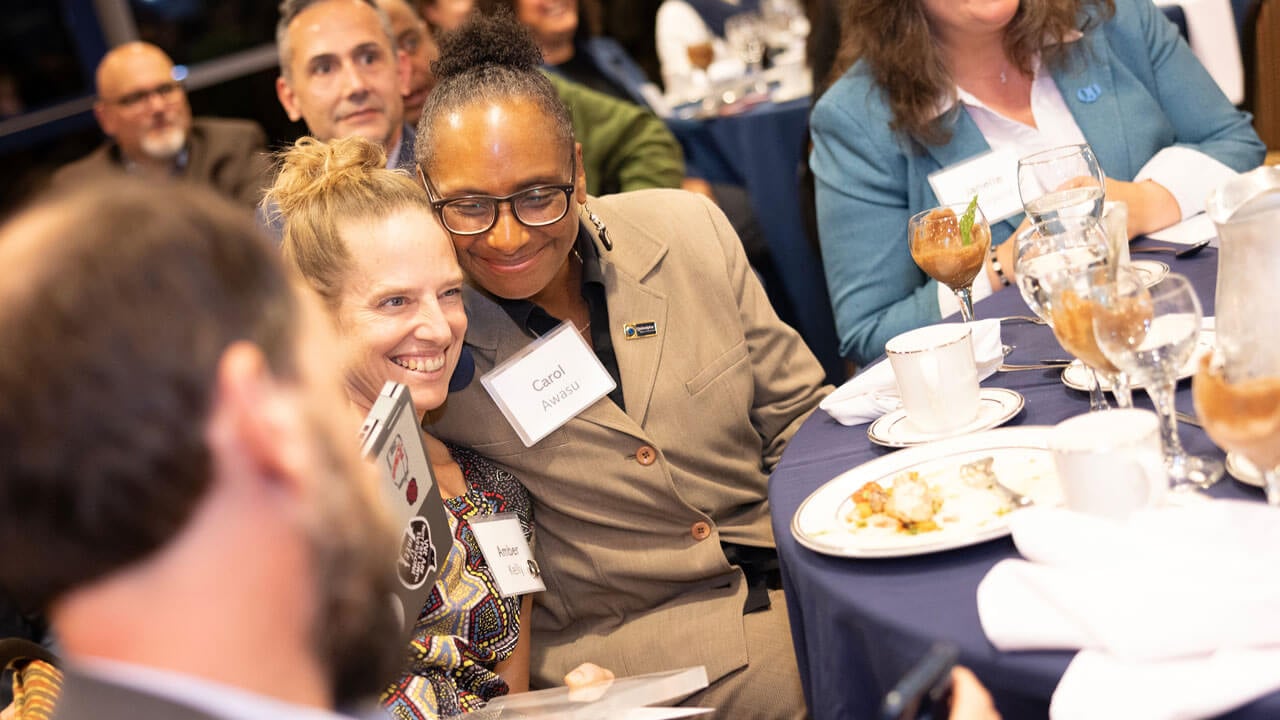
(142,108)
(191,516)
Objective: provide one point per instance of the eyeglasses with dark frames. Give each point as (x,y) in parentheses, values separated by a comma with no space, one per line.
(165,91)
(536,206)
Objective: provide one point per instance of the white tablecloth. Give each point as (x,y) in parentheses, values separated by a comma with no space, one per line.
(1212,30)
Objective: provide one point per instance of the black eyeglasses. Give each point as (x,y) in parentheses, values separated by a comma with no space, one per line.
(165,91)
(537,206)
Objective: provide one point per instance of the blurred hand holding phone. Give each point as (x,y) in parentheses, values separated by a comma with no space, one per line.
(938,689)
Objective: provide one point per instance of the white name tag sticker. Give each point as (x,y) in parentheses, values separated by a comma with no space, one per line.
(547,383)
(505,550)
(992,176)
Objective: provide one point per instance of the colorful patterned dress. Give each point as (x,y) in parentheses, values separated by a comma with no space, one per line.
(466,628)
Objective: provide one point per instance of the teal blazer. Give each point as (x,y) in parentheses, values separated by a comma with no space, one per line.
(1134,89)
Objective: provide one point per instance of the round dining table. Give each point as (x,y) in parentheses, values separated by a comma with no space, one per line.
(859,624)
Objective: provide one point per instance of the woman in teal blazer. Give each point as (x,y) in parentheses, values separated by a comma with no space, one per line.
(1129,81)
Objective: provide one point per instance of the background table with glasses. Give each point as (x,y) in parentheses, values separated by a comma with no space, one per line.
(858,625)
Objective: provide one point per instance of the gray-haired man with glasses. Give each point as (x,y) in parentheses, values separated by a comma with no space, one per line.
(142,109)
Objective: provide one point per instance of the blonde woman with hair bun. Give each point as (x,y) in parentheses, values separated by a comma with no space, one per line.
(365,240)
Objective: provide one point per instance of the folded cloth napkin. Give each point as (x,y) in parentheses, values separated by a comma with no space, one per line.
(874,391)
(1174,593)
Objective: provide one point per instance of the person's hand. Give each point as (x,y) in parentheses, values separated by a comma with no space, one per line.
(1151,206)
(699,186)
(969,699)
(587,674)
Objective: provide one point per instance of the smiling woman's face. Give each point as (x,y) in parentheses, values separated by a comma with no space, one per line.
(498,148)
(400,316)
(549,20)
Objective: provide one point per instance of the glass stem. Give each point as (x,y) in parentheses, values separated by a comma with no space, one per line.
(965,294)
(1097,398)
(1162,398)
(1120,389)
(1271,480)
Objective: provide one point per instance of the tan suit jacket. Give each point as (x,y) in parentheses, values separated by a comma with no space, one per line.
(620,497)
(226,154)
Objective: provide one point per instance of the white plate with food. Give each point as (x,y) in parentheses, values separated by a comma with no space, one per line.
(996,406)
(1077,375)
(915,501)
(1151,271)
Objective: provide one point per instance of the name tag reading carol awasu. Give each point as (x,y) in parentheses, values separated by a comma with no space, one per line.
(547,383)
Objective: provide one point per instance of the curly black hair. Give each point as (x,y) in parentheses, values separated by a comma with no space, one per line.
(490,58)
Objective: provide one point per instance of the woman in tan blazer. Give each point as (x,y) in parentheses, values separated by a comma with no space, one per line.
(650,504)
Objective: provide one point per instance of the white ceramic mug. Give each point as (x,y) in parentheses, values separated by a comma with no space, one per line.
(937,376)
(1110,463)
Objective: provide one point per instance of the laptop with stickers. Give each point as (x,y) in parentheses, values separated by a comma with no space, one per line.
(392,440)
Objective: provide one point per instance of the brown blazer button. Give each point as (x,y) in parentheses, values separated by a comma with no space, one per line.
(700,530)
(646,455)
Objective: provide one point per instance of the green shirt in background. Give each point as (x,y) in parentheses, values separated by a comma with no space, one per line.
(624,146)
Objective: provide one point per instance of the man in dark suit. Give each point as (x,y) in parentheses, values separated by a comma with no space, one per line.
(181,493)
(143,110)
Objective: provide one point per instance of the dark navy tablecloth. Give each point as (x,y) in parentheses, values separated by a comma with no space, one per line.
(858,625)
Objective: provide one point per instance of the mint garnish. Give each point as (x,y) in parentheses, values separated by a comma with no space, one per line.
(966,222)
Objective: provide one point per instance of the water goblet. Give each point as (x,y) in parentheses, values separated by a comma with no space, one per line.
(950,244)
(1064,181)
(1151,334)
(1057,263)
(745,34)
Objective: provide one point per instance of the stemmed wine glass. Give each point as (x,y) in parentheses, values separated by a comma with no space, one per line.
(1061,182)
(950,244)
(1151,335)
(1237,395)
(745,33)
(1060,265)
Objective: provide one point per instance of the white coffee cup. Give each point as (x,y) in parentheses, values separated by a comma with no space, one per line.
(1110,463)
(937,376)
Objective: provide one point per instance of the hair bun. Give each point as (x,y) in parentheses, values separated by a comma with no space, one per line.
(497,39)
(311,167)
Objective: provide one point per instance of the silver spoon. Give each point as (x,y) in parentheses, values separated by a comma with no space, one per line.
(1182,252)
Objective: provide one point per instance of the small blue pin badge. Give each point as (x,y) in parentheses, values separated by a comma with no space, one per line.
(634,331)
(1089,93)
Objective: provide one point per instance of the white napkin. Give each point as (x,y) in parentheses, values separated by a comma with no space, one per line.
(874,391)
(1177,593)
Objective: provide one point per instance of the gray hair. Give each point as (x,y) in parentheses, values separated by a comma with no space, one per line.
(290,9)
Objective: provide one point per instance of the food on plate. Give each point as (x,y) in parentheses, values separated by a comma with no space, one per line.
(909,505)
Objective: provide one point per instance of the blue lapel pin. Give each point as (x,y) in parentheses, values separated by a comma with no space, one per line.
(1089,93)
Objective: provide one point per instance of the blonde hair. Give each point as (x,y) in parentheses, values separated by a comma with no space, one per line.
(322,186)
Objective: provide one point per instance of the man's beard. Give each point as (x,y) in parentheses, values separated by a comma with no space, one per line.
(356,633)
(164,143)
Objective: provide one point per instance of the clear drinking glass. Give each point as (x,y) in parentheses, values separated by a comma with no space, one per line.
(1058,263)
(1151,334)
(1061,182)
(947,253)
(745,34)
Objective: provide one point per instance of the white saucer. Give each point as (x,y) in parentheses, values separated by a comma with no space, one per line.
(1151,271)
(1243,470)
(1077,376)
(996,406)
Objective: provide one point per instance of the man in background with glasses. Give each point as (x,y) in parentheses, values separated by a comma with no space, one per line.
(142,108)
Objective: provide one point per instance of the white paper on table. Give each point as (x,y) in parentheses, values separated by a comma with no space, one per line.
(1211,27)
(1189,231)
(612,699)
(650,713)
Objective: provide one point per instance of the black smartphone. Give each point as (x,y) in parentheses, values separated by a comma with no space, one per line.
(924,693)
